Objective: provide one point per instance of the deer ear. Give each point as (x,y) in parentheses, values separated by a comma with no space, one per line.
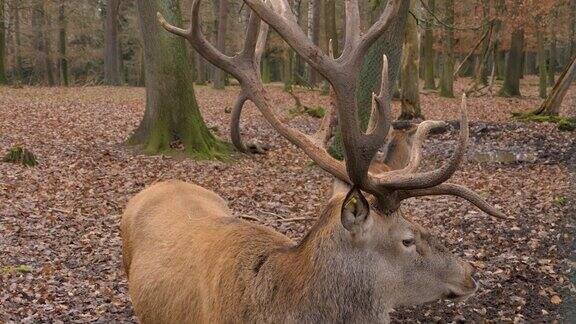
(355,210)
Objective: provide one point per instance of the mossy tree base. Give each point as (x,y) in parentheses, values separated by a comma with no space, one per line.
(20,155)
(564,123)
(172,123)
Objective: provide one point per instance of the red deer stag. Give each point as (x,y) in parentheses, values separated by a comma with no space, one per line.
(189,261)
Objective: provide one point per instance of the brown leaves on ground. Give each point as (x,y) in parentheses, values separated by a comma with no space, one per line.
(60,250)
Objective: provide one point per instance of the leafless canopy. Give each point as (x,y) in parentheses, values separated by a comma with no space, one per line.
(360,147)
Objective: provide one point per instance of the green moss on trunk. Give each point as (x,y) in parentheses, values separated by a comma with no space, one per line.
(172,121)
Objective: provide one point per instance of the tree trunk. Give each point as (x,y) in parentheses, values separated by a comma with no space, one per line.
(265,69)
(219,75)
(41,26)
(500,64)
(511,86)
(172,119)
(287,61)
(531,63)
(429,76)
(331,34)
(330,20)
(551,106)
(3,76)
(447,78)
(552,55)
(314,35)
(201,70)
(481,70)
(17,39)
(572,27)
(390,43)
(541,54)
(112,73)
(410,93)
(499,54)
(62,44)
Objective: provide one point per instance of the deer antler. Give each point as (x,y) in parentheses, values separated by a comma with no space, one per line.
(360,147)
(242,67)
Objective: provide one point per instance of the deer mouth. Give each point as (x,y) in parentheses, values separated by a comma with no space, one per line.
(461,292)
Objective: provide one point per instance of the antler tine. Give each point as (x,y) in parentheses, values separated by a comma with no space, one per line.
(454,190)
(235,123)
(324,132)
(249,78)
(253,50)
(422,132)
(381,116)
(361,147)
(431,178)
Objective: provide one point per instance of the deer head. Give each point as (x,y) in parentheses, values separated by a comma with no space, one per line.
(362,239)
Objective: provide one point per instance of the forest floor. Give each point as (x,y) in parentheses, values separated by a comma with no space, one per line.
(60,249)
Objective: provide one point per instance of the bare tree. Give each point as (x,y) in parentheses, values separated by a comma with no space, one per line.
(551,106)
(511,86)
(63,61)
(313,34)
(17,41)
(428,44)
(112,73)
(409,80)
(41,26)
(447,77)
(219,75)
(172,119)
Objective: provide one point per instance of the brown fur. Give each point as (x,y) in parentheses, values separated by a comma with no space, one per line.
(397,148)
(189,261)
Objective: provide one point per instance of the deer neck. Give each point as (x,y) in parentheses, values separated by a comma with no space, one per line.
(321,280)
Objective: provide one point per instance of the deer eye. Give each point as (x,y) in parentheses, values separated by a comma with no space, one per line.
(408,242)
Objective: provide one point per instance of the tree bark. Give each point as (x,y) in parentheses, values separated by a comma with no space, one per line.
(219,75)
(511,86)
(330,20)
(314,35)
(62,44)
(541,54)
(429,76)
(551,106)
(481,70)
(552,55)
(531,63)
(3,74)
(410,91)
(112,56)
(172,119)
(499,53)
(572,27)
(447,78)
(41,26)
(17,46)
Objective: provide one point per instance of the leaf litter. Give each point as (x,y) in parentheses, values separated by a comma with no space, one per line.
(60,249)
